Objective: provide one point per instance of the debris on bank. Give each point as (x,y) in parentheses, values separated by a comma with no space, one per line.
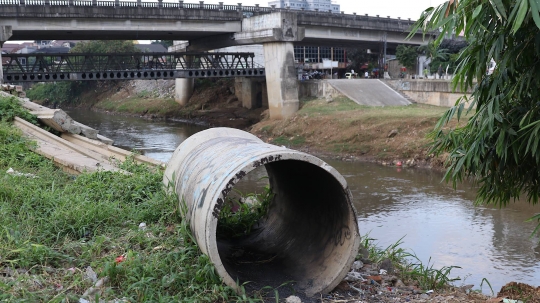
(79,148)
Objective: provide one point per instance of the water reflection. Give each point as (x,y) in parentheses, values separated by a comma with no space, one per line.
(435,220)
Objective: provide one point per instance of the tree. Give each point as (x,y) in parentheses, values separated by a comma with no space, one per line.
(407,55)
(358,57)
(105,46)
(437,55)
(499,145)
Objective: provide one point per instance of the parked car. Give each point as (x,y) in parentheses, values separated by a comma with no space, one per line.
(351,75)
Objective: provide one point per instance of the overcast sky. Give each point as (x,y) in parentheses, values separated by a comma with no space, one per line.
(393,8)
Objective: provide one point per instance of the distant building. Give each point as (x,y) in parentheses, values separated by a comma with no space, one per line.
(308,5)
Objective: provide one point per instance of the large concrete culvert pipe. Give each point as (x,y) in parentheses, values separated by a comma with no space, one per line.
(309,234)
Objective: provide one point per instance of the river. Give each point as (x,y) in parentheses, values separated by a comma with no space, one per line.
(437,223)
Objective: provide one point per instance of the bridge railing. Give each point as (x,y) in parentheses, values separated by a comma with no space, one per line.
(391,24)
(182,5)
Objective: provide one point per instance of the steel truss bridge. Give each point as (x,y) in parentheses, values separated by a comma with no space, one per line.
(43,67)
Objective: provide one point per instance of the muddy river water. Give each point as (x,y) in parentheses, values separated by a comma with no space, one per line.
(437,223)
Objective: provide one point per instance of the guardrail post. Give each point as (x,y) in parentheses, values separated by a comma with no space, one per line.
(220,6)
(201,4)
(181,4)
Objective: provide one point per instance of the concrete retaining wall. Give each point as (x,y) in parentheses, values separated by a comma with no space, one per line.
(316,88)
(433,92)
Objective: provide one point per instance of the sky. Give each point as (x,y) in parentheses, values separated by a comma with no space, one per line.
(393,8)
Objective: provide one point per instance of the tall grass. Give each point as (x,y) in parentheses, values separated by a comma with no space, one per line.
(53,226)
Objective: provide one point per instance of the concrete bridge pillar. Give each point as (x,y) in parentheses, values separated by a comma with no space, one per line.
(251,91)
(281,79)
(5,34)
(183,90)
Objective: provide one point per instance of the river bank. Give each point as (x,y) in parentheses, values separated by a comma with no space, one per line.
(377,295)
(339,129)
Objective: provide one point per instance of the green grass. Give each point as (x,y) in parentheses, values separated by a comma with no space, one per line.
(408,266)
(55,225)
(292,141)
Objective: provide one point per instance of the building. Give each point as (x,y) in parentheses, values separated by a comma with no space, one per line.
(308,5)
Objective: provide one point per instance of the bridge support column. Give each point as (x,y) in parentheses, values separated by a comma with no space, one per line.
(183,90)
(5,34)
(248,91)
(281,79)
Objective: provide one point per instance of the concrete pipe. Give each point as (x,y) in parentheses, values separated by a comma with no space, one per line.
(309,234)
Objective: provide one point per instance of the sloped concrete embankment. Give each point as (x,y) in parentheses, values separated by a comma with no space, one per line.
(369,92)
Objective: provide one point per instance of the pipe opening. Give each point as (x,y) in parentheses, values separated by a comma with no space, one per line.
(283,232)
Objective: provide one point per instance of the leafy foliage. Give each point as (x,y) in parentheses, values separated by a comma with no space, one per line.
(359,57)
(105,46)
(51,93)
(11,108)
(407,55)
(498,147)
(239,216)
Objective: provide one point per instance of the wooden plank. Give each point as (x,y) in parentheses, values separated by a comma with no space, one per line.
(109,151)
(64,153)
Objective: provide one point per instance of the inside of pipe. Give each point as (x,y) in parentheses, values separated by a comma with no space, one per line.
(289,244)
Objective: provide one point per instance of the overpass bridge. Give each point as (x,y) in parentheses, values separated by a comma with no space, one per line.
(207,27)
(227,25)
(127,66)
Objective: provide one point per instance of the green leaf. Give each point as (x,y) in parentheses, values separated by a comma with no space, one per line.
(478,9)
(534,12)
(499,8)
(523,8)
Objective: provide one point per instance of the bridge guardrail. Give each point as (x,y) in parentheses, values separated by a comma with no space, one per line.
(182,5)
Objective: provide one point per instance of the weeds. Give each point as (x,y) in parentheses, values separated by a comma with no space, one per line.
(408,265)
(241,214)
